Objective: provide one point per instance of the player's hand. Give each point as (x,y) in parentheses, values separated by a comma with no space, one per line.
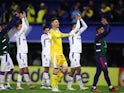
(21,15)
(104,21)
(78,17)
(72,33)
(17,14)
(24,14)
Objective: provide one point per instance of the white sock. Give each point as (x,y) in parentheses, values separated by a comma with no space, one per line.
(43,79)
(19,80)
(1,80)
(26,77)
(79,79)
(94,87)
(8,79)
(70,80)
(110,87)
(47,78)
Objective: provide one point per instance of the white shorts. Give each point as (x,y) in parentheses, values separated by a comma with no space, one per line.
(22,60)
(6,63)
(75,59)
(46,60)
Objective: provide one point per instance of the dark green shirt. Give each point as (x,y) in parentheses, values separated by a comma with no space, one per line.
(4,44)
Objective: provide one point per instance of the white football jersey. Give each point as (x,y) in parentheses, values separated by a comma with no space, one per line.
(21,41)
(45,41)
(75,41)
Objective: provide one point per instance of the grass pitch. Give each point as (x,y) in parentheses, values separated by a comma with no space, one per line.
(61,87)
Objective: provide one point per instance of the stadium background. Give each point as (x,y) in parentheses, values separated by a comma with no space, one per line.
(113,10)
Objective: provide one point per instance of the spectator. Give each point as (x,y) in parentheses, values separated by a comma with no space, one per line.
(2,10)
(94,8)
(14,6)
(7,15)
(63,15)
(105,11)
(55,14)
(87,13)
(30,13)
(41,13)
(46,17)
(114,14)
(74,13)
(120,11)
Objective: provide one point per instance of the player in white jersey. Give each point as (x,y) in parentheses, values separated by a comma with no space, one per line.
(74,55)
(22,50)
(46,59)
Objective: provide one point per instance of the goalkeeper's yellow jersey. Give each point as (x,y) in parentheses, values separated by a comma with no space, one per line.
(56,41)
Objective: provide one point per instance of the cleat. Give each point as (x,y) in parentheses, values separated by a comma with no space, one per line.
(95,90)
(31,87)
(43,87)
(55,90)
(71,88)
(49,87)
(114,89)
(8,87)
(84,88)
(3,88)
(19,88)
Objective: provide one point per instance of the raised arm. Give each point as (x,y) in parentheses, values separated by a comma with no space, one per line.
(83,28)
(77,27)
(10,25)
(25,24)
(105,33)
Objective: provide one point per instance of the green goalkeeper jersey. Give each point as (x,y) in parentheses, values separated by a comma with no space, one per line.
(101,46)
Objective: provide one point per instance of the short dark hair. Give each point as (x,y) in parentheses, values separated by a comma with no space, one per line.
(18,23)
(45,27)
(98,27)
(52,19)
(73,24)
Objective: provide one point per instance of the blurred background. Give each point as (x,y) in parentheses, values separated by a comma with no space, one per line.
(39,13)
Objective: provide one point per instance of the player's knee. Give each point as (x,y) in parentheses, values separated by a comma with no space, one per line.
(46,69)
(65,68)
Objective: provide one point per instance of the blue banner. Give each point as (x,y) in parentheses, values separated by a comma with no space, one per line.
(116,35)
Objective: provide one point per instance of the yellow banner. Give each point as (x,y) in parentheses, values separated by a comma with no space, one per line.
(87,75)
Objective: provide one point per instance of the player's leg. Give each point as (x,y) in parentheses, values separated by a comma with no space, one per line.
(2,80)
(9,73)
(46,78)
(54,76)
(63,67)
(21,66)
(76,64)
(19,79)
(26,71)
(96,77)
(4,68)
(43,75)
(105,70)
(79,79)
(70,79)
(72,72)
(54,79)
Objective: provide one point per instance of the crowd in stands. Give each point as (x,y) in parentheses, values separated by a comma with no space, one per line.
(65,10)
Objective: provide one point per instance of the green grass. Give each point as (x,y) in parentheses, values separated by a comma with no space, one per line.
(61,87)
